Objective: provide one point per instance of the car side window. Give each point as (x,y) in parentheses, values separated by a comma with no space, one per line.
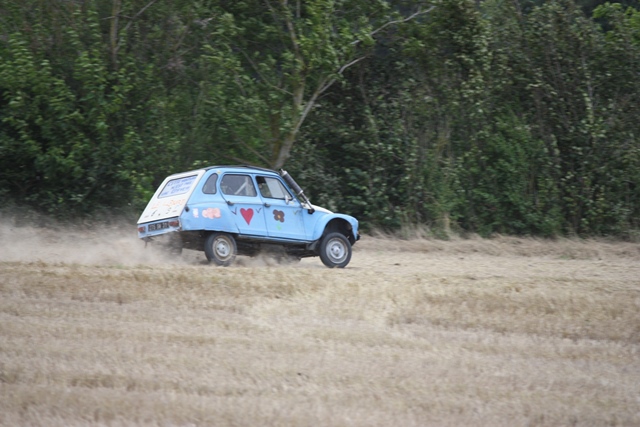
(237,185)
(272,188)
(210,186)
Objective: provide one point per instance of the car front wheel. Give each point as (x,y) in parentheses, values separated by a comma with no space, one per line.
(220,248)
(335,250)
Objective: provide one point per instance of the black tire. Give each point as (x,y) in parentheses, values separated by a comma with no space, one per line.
(221,249)
(335,250)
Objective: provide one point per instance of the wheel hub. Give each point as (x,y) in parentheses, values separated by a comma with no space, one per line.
(222,248)
(336,250)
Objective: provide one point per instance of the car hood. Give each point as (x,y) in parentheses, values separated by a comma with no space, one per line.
(321,209)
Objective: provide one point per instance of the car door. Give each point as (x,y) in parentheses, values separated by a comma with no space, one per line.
(244,203)
(283,213)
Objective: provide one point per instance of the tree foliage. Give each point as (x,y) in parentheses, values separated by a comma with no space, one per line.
(490,117)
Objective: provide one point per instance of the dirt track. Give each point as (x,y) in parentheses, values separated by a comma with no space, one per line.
(96,329)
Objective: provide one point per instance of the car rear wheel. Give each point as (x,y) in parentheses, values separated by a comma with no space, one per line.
(220,248)
(335,250)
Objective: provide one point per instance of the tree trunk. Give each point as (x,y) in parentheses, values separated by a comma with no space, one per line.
(113,33)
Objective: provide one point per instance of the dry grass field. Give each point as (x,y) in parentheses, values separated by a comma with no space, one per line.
(97,330)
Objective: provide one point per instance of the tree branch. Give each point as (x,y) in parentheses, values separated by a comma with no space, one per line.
(292,32)
(282,152)
(252,150)
(398,21)
(140,12)
(324,85)
(126,28)
(241,161)
(345,66)
(114,43)
(255,68)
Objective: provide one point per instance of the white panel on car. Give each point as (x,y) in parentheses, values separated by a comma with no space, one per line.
(171,197)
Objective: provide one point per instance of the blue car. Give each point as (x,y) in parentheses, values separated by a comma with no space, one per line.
(240,210)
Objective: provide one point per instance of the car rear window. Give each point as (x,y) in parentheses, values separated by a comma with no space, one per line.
(210,186)
(178,186)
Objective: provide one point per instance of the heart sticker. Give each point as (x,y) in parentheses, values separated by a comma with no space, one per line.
(247,214)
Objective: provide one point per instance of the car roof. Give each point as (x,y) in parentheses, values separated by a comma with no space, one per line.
(235,168)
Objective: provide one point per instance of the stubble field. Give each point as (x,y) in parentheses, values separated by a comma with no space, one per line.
(97,330)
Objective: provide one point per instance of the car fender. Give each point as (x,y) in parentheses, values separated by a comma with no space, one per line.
(321,225)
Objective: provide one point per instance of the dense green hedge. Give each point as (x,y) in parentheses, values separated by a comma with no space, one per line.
(488,117)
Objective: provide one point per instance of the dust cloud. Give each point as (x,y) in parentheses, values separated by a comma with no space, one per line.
(31,238)
(47,241)
(37,239)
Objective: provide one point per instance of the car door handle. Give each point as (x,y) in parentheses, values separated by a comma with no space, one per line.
(230,203)
(267,205)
